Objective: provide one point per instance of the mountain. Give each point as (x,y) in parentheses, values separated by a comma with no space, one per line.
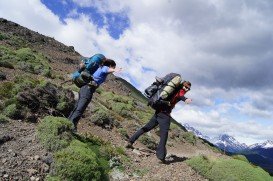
(195,131)
(224,142)
(229,143)
(266,145)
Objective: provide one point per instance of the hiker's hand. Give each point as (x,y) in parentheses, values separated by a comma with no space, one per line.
(188,101)
(118,69)
(82,65)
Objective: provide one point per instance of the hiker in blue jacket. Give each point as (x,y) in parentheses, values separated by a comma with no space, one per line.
(86,92)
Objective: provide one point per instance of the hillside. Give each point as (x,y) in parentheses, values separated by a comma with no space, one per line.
(36,142)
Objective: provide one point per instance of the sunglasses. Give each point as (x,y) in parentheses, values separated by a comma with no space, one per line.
(186,88)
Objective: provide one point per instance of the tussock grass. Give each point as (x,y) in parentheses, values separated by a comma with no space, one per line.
(227,169)
(76,157)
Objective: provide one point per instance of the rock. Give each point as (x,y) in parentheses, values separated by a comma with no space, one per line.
(32,171)
(48,159)
(4,160)
(13,154)
(2,76)
(37,157)
(6,176)
(32,178)
(136,152)
(45,168)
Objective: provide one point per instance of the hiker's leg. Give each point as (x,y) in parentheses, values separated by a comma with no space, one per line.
(85,97)
(150,125)
(164,125)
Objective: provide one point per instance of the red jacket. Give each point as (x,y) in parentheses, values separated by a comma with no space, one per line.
(175,99)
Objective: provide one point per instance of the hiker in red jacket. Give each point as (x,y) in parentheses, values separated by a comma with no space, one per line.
(163,119)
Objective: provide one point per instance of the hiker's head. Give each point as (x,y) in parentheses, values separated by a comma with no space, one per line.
(186,86)
(109,63)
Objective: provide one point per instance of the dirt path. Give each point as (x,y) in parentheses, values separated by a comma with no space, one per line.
(144,165)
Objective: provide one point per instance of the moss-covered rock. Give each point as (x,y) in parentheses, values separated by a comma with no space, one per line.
(55,132)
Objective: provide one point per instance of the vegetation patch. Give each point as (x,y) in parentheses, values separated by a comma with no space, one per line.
(148,141)
(26,60)
(54,132)
(13,112)
(79,162)
(3,119)
(189,137)
(103,118)
(123,133)
(227,169)
(240,157)
(76,157)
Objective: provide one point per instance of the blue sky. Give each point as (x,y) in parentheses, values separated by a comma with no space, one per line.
(116,22)
(223,47)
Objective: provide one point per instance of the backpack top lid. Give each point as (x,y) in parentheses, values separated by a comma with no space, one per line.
(97,57)
(93,62)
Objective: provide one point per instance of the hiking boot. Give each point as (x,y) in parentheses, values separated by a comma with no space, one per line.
(129,145)
(162,161)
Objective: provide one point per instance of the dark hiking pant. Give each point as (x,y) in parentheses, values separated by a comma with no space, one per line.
(85,97)
(163,120)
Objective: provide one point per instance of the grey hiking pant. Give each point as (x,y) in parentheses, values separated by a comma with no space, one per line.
(164,121)
(85,97)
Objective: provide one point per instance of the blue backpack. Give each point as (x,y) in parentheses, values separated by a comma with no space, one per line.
(84,75)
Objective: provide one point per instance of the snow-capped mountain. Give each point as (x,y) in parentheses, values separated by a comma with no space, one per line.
(195,132)
(266,145)
(224,141)
(260,154)
(228,143)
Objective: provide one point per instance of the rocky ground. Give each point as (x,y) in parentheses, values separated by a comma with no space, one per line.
(21,155)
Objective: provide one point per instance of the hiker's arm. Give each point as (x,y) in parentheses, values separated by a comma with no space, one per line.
(112,70)
(186,100)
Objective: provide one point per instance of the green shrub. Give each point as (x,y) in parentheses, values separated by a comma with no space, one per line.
(54,132)
(13,112)
(25,54)
(79,162)
(189,137)
(102,118)
(99,90)
(3,118)
(5,89)
(148,141)
(227,169)
(3,36)
(123,133)
(52,178)
(201,164)
(240,157)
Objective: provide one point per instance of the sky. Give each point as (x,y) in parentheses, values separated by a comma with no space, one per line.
(223,47)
